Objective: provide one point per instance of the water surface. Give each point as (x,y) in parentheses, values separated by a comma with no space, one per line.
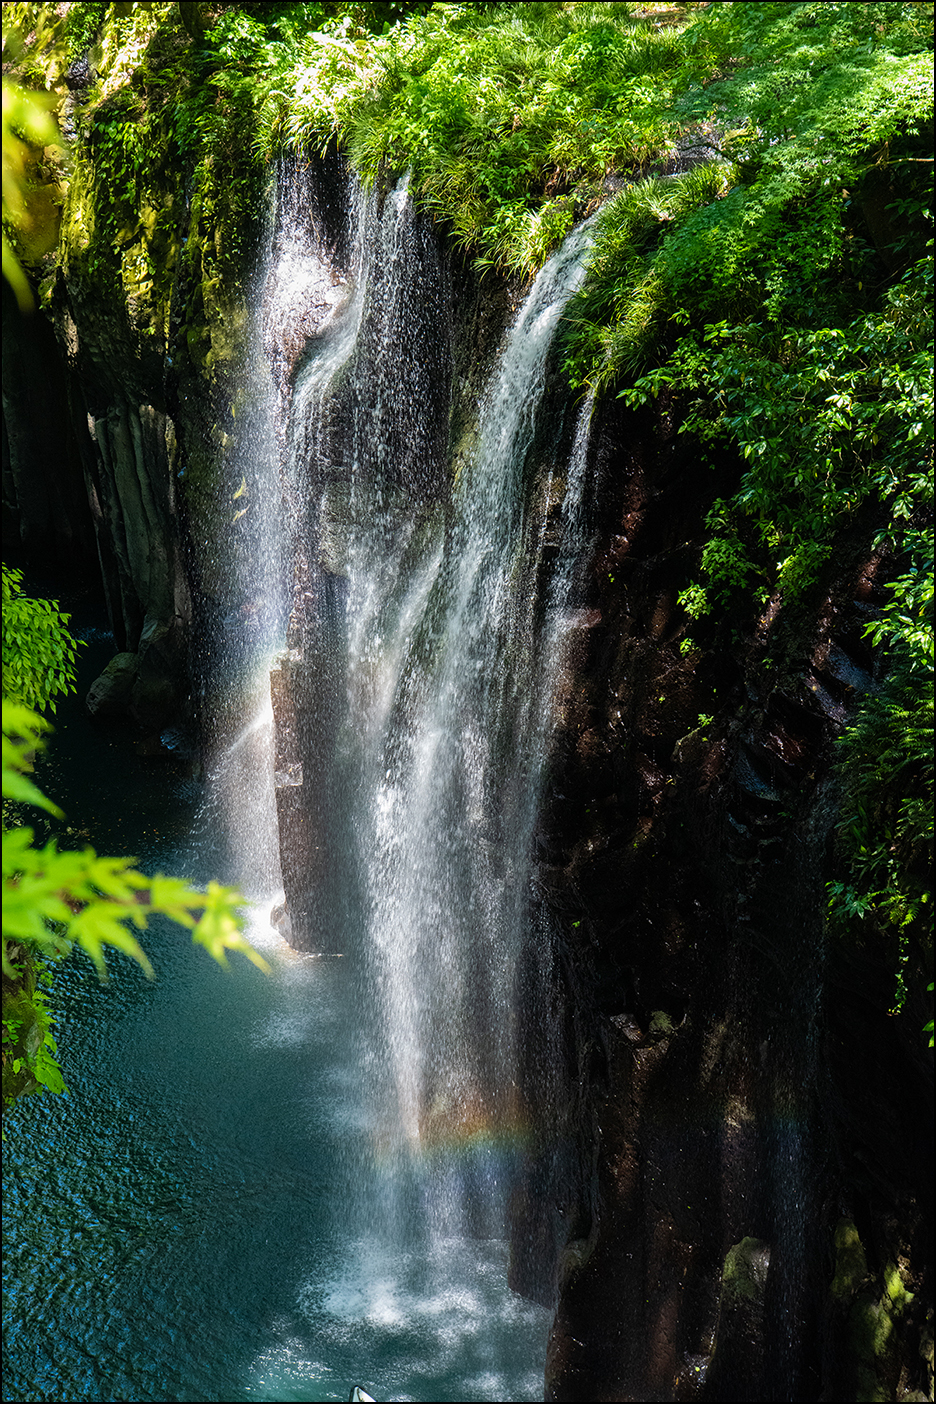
(185,1224)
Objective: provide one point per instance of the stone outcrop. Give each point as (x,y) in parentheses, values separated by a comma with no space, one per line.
(120,445)
(109,694)
(110,492)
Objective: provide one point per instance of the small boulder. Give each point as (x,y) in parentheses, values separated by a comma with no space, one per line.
(109,694)
(281,921)
(154,696)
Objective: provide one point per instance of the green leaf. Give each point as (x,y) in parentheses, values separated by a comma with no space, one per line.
(18,787)
(173,897)
(219,929)
(100,923)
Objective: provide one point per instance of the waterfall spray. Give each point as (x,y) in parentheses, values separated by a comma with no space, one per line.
(414,700)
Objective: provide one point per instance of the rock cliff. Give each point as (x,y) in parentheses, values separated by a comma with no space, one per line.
(758,1115)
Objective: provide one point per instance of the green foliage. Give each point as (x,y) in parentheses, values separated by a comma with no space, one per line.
(784,320)
(29,1050)
(819,109)
(822,420)
(886,764)
(621,313)
(827,422)
(82,24)
(53,899)
(508,116)
(38,650)
(30,221)
(164,181)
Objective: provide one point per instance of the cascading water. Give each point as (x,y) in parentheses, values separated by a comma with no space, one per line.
(413,710)
(247,574)
(452,746)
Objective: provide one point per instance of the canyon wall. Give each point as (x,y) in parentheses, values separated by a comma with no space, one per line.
(763,1125)
(731,1195)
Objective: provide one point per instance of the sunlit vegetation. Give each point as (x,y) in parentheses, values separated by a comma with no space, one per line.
(38,651)
(510,117)
(789,323)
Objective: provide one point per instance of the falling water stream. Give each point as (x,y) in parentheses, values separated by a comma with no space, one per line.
(276,1187)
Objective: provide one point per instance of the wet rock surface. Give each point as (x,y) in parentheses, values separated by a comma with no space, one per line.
(109,694)
(754,1084)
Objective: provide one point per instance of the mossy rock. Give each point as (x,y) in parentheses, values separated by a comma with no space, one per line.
(851,1267)
(744,1275)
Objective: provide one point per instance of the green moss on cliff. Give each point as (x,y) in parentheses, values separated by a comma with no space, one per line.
(163,180)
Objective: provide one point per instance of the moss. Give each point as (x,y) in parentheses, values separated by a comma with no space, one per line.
(662,1026)
(162,194)
(872,1316)
(895,1292)
(851,1268)
(745,1271)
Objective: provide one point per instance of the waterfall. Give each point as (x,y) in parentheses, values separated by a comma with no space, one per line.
(413,700)
(449,677)
(247,573)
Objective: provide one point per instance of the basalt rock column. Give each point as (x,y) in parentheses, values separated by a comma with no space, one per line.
(306,688)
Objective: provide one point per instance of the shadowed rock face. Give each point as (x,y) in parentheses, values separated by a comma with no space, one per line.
(747,1085)
(90,474)
(89,489)
(45,506)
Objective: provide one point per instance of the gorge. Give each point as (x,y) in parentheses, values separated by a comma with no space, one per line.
(407,611)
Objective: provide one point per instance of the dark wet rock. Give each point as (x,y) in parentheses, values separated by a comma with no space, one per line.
(179,742)
(109,694)
(152,747)
(305,685)
(832,709)
(739,1355)
(155,691)
(153,699)
(751,773)
(869,1317)
(281,921)
(137,686)
(702,892)
(846,671)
